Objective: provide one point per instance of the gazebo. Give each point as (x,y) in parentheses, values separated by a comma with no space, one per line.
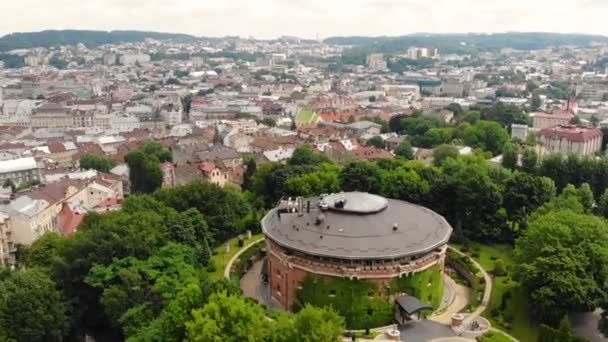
(408,306)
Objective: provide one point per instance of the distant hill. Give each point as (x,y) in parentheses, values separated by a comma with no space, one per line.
(469,42)
(26,40)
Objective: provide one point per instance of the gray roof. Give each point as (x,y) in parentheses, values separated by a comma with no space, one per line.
(362,229)
(412,304)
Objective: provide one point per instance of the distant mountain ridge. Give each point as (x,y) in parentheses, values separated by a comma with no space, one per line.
(50,38)
(469,42)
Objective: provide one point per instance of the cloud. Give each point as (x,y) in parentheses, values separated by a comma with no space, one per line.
(306,18)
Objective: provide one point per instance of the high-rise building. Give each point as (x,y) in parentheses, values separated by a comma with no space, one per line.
(376,62)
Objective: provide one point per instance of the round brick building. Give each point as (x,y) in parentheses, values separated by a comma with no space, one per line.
(352,237)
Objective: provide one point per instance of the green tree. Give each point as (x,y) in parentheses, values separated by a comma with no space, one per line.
(444,152)
(228,318)
(562,262)
(312,324)
(222,208)
(529,159)
(602,204)
(144,166)
(405,150)
(99,163)
(31,309)
(536,103)
(361,176)
(305,155)
(132,287)
(43,253)
(376,141)
(509,156)
(251,167)
(326,180)
(524,193)
(487,135)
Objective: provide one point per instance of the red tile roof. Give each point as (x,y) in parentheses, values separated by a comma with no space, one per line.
(371,153)
(571,133)
(69,220)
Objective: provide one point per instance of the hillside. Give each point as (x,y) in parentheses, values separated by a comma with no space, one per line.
(25,40)
(469,42)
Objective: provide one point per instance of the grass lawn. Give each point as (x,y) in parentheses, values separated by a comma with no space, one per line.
(220,257)
(307,116)
(516,309)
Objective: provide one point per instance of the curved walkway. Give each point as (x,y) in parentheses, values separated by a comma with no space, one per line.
(487,293)
(237,255)
(461,298)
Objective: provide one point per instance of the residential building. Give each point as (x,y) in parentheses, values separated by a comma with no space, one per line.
(569,139)
(542,120)
(22,170)
(376,62)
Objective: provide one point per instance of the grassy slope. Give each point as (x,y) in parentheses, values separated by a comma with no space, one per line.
(517,306)
(307,116)
(221,258)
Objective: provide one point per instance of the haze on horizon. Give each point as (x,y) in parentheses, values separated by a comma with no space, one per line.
(306,18)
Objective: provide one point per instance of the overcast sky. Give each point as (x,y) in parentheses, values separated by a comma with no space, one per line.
(306,18)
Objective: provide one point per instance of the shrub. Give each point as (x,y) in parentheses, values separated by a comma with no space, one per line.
(499,268)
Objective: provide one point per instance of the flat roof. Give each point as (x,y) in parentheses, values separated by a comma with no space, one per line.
(21,164)
(363,229)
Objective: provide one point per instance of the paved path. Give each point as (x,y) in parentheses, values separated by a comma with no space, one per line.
(254,287)
(237,255)
(461,297)
(487,293)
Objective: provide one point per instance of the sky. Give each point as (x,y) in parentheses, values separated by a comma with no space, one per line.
(306,18)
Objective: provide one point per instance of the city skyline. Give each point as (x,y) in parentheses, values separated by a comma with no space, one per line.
(307,19)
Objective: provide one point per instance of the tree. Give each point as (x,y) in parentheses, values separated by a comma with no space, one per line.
(251,168)
(499,268)
(270,122)
(595,121)
(222,208)
(487,135)
(144,171)
(8,183)
(99,163)
(524,193)
(361,176)
(144,166)
(43,253)
(405,150)
(562,262)
(455,108)
(132,287)
(312,324)
(529,159)
(405,185)
(228,318)
(376,141)
(444,152)
(575,121)
(602,204)
(31,309)
(304,155)
(509,156)
(536,103)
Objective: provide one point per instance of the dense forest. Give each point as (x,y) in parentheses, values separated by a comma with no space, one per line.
(467,43)
(49,38)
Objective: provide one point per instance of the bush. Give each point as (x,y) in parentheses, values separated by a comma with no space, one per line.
(211,266)
(499,268)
